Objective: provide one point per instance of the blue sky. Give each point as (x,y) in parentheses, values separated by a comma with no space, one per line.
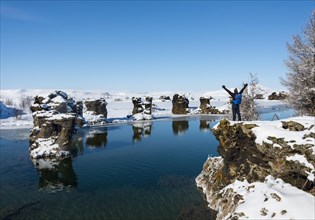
(146,46)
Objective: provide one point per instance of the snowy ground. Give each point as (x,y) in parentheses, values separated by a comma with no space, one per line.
(272,199)
(119,103)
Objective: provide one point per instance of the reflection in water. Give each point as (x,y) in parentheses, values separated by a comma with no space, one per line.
(180,127)
(77,146)
(55,175)
(97,139)
(141,129)
(204,125)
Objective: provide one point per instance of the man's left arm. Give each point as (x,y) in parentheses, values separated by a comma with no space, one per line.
(242,90)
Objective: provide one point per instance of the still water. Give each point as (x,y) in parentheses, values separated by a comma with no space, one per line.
(136,171)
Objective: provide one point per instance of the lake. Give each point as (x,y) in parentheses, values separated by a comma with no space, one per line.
(144,170)
(134,171)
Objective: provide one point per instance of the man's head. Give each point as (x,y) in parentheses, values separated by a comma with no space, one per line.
(235,90)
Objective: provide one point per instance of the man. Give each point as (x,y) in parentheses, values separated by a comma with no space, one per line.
(236,101)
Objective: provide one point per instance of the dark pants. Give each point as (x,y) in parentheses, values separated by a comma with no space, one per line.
(236,110)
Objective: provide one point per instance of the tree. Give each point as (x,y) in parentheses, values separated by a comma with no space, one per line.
(300,78)
(249,107)
(26,102)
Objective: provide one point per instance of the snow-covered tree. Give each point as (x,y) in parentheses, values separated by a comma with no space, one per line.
(249,108)
(300,78)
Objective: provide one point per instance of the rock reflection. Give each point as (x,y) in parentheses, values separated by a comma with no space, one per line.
(55,175)
(141,129)
(97,139)
(204,125)
(180,127)
(77,146)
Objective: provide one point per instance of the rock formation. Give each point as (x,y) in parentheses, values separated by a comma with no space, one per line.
(95,111)
(164,98)
(180,104)
(279,96)
(206,108)
(259,96)
(55,118)
(97,107)
(137,105)
(142,109)
(244,156)
(51,134)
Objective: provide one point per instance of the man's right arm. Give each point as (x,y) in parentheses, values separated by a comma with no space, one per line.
(231,94)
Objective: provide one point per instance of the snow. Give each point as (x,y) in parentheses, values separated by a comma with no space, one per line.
(50,115)
(272,199)
(141,116)
(47,148)
(46,163)
(92,118)
(58,99)
(301,159)
(274,129)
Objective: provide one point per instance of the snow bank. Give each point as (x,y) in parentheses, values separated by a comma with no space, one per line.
(272,199)
(274,128)
(46,147)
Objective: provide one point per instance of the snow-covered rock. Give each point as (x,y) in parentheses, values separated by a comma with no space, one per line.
(96,107)
(54,119)
(142,108)
(180,104)
(267,156)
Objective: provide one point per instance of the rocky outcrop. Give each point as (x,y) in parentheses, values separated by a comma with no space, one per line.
(58,127)
(95,111)
(206,108)
(96,107)
(164,98)
(142,109)
(244,156)
(259,96)
(55,118)
(292,126)
(180,104)
(137,105)
(279,96)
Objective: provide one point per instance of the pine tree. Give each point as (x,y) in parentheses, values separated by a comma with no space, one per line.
(249,108)
(300,78)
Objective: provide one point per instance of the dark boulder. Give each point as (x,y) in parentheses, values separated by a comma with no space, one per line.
(137,105)
(279,96)
(140,106)
(98,106)
(180,104)
(164,98)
